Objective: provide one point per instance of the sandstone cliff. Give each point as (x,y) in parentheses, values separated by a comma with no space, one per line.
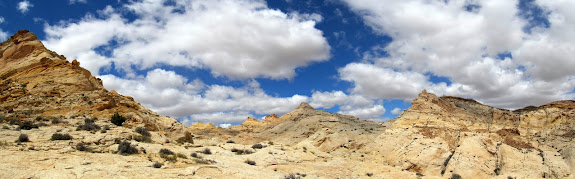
(36,82)
(442,136)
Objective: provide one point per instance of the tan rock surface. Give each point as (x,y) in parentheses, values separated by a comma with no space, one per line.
(35,81)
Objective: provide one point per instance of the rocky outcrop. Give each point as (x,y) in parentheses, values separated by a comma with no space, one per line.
(443,136)
(37,82)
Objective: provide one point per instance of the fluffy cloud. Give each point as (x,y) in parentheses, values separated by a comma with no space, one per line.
(24,6)
(237,39)
(3,35)
(371,113)
(463,41)
(171,94)
(1,20)
(396,111)
(78,1)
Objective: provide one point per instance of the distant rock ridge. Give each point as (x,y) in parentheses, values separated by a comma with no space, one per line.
(451,135)
(35,81)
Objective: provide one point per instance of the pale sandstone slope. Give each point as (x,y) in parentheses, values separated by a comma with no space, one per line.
(442,136)
(35,81)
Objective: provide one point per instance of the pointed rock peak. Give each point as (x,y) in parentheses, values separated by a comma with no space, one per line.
(305,105)
(251,119)
(424,92)
(23,35)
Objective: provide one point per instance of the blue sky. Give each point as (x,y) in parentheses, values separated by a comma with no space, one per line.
(221,61)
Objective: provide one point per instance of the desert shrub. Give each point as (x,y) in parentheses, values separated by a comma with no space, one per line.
(292,176)
(170,158)
(23,138)
(204,161)
(195,155)
(231,142)
(250,162)
(14,122)
(89,125)
(270,143)
(27,125)
(57,121)
(181,155)
(126,148)
(207,151)
(142,138)
(157,165)
(39,118)
(257,146)
(58,136)
(118,119)
(455,176)
(5,127)
(2,118)
(83,147)
(166,152)
(143,131)
(241,151)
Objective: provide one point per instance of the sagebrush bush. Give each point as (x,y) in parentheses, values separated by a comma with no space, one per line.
(89,125)
(181,155)
(204,161)
(242,151)
(257,146)
(291,176)
(83,147)
(455,176)
(207,151)
(157,165)
(143,131)
(126,148)
(195,155)
(166,152)
(27,125)
(250,162)
(23,138)
(56,121)
(58,136)
(142,138)
(118,119)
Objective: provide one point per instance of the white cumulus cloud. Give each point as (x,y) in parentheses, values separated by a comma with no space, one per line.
(24,6)
(446,39)
(237,39)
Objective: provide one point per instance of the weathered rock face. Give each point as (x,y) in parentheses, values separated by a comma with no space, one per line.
(35,81)
(448,135)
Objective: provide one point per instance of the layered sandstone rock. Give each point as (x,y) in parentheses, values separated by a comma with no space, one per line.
(35,81)
(442,136)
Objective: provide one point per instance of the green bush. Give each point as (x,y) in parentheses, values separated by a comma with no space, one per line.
(27,125)
(83,147)
(118,119)
(89,125)
(257,146)
(126,148)
(207,151)
(58,136)
(157,165)
(166,152)
(250,162)
(143,131)
(23,138)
